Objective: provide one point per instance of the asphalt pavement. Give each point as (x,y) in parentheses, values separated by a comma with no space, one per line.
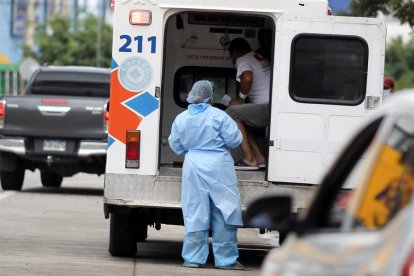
(62,231)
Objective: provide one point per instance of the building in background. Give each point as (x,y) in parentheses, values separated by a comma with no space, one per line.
(15,31)
(339,6)
(13,16)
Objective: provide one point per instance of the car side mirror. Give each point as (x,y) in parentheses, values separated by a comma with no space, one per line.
(271,212)
(408,157)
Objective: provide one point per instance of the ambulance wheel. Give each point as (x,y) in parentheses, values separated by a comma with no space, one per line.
(50,179)
(12,180)
(142,232)
(122,239)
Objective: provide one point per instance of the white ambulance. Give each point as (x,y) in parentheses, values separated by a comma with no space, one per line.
(327,74)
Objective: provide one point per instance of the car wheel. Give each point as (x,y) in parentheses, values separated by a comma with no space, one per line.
(12,180)
(50,179)
(122,235)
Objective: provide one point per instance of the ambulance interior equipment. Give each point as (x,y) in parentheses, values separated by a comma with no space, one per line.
(196,49)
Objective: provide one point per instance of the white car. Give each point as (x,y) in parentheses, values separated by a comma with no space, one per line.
(366,230)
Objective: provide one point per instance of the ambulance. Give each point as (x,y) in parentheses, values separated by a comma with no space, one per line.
(326,76)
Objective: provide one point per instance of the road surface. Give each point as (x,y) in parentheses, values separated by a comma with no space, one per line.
(62,231)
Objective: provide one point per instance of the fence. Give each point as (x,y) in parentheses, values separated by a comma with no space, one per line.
(10,81)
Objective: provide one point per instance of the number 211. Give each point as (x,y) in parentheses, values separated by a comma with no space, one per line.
(139,39)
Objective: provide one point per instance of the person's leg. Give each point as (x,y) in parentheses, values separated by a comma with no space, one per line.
(253,115)
(257,153)
(248,154)
(195,248)
(224,240)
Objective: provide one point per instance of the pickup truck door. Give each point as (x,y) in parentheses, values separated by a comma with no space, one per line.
(328,74)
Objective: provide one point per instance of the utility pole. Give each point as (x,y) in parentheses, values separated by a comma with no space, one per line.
(76,15)
(99,26)
(30,24)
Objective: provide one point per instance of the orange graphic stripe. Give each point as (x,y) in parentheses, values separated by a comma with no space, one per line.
(120,117)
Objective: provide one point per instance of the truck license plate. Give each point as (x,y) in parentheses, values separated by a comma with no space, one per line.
(54,145)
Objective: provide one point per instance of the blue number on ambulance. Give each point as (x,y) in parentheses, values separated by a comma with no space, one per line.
(126,47)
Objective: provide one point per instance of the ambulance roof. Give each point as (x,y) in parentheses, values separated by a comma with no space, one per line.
(302,7)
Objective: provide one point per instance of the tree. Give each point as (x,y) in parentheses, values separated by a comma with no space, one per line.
(401,9)
(399,62)
(58,45)
(399,57)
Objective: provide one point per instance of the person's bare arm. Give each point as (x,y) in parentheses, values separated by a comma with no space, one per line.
(246,80)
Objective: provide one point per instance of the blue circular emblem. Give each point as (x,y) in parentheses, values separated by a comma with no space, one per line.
(135,74)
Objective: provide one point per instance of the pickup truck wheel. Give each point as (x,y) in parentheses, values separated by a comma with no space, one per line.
(142,232)
(12,180)
(50,179)
(122,235)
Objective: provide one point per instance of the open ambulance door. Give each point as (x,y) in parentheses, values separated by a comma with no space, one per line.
(328,74)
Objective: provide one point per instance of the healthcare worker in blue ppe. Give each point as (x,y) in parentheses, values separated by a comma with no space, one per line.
(210,196)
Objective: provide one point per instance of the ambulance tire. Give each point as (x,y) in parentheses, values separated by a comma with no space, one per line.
(50,179)
(12,180)
(122,236)
(142,232)
(282,237)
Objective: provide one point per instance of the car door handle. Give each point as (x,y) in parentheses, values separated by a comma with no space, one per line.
(54,110)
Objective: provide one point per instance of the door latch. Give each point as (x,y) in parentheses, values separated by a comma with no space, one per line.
(372,102)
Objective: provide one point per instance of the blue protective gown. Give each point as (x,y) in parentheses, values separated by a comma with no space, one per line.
(205,134)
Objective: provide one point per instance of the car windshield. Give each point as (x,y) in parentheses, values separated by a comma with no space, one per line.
(88,84)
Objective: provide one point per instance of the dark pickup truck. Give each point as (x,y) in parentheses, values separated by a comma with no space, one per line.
(58,127)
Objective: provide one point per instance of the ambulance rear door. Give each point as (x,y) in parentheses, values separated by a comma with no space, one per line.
(135,89)
(328,74)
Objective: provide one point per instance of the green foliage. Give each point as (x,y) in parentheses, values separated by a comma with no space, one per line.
(401,9)
(60,45)
(399,58)
(399,62)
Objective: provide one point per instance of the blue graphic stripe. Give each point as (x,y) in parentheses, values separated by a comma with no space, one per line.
(114,65)
(110,141)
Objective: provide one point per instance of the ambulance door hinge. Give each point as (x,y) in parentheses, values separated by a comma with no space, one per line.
(372,102)
(275,144)
(157,92)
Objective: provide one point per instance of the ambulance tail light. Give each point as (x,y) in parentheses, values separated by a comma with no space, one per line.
(2,112)
(140,17)
(133,147)
(408,268)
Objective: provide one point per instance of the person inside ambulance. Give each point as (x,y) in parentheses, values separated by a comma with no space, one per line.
(210,195)
(253,73)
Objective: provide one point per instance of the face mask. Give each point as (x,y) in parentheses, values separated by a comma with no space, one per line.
(386,93)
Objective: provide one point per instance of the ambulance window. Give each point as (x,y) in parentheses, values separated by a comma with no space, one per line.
(223,78)
(390,185)
(328,69)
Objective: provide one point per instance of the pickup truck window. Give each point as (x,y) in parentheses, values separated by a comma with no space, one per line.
(328,69)
(87,84)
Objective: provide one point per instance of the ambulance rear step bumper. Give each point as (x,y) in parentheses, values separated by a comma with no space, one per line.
(164,189)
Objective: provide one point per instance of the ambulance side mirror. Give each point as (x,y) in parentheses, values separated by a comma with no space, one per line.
(271,212)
